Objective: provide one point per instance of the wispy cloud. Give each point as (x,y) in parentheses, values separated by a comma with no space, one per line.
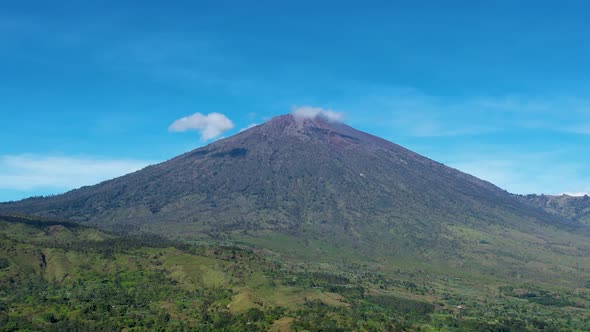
(578,129)
(189,64)
(30,172)
(533,173)
(418,114)
(209,126)
(310,112)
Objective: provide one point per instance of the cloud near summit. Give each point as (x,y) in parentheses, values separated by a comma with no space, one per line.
(209,126)
(309,112)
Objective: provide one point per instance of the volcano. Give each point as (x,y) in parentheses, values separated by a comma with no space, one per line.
(306,178)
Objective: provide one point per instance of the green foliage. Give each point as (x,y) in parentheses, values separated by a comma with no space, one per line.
(143,282)
(4,263)
(401,305)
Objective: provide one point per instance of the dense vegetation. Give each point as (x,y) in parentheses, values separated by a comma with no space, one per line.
(61,276)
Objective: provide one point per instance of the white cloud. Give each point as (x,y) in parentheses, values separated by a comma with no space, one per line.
(309,112)
(209,126)
(31,172)
(414,113)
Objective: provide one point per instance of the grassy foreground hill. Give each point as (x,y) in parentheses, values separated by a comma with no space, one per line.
(62,276)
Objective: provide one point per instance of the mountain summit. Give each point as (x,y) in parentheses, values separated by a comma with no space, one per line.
(300,177)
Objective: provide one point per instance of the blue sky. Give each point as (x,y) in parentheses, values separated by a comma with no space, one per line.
(496,89)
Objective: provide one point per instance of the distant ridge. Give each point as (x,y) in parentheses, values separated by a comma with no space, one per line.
(575,208)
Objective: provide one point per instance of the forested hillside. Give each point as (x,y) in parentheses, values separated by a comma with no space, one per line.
(58,275)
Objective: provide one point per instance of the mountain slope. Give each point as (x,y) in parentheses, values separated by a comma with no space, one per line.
(570,207)
(319,182)
(303,170)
